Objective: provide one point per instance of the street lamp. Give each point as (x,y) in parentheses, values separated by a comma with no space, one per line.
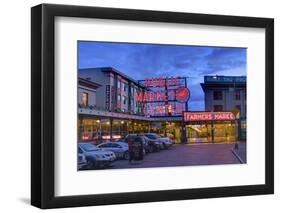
(236,120)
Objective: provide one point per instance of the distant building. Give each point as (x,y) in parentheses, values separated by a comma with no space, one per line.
(225,93)
(117,93)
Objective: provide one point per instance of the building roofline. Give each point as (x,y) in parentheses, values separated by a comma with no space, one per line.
(205,86)
(88,83)
(213,81)
(113,70)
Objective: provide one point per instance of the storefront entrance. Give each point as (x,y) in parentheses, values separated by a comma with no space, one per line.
(210,127)
(204,132)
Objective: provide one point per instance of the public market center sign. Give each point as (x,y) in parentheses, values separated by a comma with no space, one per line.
(163,96)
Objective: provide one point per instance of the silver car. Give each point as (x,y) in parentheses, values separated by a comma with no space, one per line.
(82,162)
(120,149)
(96,158)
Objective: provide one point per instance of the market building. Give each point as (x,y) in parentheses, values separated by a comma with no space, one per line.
(117,105)
(115,112)
(117,92)
(227,93)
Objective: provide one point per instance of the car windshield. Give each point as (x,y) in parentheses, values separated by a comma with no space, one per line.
(89,147)
(152,136)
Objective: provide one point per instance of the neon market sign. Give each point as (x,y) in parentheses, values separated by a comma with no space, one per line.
(162,96)
(208,116)
(163,90)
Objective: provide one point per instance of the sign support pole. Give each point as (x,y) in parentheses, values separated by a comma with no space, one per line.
(212,131)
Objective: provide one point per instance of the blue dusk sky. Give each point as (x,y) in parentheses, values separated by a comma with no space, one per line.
(141,61)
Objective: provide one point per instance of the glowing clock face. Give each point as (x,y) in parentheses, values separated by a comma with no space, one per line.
(183,94)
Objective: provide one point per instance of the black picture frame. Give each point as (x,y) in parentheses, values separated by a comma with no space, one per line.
(43,102)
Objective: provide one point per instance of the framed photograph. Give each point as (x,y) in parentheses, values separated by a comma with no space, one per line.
(136,106)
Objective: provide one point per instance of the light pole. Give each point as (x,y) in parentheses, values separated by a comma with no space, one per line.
(236,121)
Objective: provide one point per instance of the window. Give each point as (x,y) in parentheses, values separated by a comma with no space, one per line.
(85,99)
(218,108)
(237,95)
(119,98)
(118,84)
(102,146)
(125,87)
(115,145)
(217,95)
(124,100)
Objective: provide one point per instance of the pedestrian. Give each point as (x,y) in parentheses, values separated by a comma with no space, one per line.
(140,148)
(130,149)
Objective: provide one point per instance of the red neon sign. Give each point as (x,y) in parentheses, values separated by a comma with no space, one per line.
(208,116)
(176,93)
(162,82)
(163,109)
(182,94)
(170,91)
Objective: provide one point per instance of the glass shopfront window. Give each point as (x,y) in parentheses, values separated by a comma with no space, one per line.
(141,126)
(225,131)
(218,131)
(94,129)
(199,132)
(119,129)
(171,130)
(88,129)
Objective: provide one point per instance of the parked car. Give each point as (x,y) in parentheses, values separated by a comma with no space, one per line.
(152,139)
(133,137)
(96,158)
(165,142)
(148,144)
(82,162)
(120,149)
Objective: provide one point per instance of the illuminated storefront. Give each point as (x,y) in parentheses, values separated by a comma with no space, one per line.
(99,126)
(210,127)
(160,105)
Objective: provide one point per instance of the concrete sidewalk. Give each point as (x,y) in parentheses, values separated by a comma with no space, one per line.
(241,152)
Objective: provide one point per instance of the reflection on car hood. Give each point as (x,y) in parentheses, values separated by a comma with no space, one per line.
(164,139)
(100,151)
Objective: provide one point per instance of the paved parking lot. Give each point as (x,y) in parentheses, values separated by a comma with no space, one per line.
(185,155)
